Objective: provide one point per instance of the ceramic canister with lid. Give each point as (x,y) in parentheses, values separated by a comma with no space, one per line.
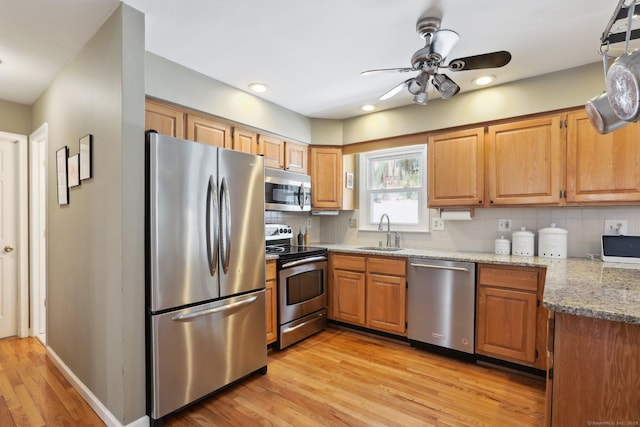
(522,242)
(552,242)
(502,246)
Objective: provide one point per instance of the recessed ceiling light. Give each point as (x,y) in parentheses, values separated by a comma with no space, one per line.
(368,107)
(258,87)
(484,80)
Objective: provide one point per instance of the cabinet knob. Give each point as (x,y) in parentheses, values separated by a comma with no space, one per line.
(491,201)
(480,202)
(8,249)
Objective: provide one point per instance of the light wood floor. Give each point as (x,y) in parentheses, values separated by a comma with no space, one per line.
(336,378)
(34,393)
(343,378)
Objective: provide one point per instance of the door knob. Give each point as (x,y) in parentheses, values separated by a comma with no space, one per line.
(8,249)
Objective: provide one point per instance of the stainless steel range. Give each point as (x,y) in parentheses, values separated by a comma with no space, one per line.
(302,285)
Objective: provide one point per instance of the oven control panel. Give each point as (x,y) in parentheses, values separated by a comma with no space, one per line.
(277,231)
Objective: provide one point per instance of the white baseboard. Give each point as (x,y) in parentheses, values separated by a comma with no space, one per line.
(109,419)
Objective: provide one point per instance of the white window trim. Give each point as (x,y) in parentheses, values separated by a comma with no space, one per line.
(423,210)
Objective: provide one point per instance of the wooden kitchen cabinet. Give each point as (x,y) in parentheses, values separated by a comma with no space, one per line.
(369,291)
(326,177)
(244,140)
(272,149)
(456,168)
(295,157)
(271,298)
(164,118)
(524,162)
(510,319)
(602,168)
(208,131)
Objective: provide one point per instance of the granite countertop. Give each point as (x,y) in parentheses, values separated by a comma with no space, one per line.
(583,287)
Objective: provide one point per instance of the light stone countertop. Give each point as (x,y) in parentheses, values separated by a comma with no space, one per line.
(583,287)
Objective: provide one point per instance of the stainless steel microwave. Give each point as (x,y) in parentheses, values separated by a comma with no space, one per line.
(286,191)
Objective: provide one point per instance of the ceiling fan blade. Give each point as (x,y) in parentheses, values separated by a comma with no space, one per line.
(476,62)
(441,44)
(396,90)
(385,70)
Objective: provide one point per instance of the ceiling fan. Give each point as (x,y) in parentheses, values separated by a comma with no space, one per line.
(428,60)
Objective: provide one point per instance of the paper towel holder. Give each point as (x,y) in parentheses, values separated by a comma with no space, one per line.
(456,214)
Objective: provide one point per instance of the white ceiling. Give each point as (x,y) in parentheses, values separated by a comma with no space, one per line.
(310,53)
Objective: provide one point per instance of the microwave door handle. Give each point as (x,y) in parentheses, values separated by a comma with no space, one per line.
(301,196)
(211,226)
(225,224)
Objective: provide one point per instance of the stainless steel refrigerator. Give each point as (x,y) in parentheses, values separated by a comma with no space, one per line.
(205,279)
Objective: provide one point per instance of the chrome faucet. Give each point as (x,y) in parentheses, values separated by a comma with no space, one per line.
(388,228)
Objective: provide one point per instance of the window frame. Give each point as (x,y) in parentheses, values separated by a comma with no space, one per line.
(365,192)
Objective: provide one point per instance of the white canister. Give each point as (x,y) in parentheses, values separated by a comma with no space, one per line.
(522,242)
(552,242)
(502,246)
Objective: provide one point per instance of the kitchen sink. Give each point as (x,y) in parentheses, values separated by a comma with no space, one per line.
(380,248)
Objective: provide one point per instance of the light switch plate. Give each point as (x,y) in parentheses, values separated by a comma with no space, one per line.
(615,227)
(504,225)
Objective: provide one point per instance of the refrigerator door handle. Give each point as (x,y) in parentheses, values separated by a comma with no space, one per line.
(209,312)
(225,224)
(212,226)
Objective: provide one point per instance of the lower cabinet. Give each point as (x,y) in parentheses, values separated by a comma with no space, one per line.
(271,301)
(510,319)
(368,291)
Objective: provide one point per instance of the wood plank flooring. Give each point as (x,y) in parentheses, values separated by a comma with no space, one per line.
(336,378)
(343,378)
(33,392)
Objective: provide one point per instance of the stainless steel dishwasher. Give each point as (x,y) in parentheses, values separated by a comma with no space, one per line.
(441,307)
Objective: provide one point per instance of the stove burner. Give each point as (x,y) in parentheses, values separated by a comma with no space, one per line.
(272,249)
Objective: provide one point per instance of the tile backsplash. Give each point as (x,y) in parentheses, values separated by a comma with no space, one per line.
(585,225)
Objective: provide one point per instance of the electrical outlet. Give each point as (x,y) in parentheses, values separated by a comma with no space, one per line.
(504,225)
(437,224)
(615,227)
(308,222)
(353,223)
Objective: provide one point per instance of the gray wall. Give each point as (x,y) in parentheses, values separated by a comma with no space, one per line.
(15,118)
(95,276)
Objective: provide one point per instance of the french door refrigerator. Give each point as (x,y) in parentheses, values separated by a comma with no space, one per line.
(205,278)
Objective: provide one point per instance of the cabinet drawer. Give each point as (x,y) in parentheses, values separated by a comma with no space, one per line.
(270,272)
(390,266)
(524,278)
(348,262)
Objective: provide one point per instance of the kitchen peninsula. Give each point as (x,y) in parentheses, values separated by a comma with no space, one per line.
(594,333)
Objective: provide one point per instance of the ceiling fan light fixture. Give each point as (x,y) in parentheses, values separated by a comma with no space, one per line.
(445,86)
(483,80)
(421,98)
(258,87)
(415,87)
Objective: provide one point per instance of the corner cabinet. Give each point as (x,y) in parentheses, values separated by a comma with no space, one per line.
(525,162)
(456,168)
(510,319)
(368,291)
(602,168)
(271,298)
(326,177)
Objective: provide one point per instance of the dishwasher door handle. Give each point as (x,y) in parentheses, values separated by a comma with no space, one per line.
(440,267)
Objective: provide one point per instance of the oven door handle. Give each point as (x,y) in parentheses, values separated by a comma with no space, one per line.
(304,261)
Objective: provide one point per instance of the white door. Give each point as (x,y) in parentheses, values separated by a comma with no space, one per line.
(38,231)
(8,238)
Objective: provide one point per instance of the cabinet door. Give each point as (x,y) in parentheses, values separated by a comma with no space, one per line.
(271,302)
(524,162)
(506,324)
(273,151)
(164,119)
(207,131)
(295,157)
(348,298)
(456,168)
(245,141)
(326,177)
(386,301)
(602,168)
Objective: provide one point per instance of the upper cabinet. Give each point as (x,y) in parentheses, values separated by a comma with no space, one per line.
(456,168)
(208,131)
(272,149)
(164,119)
(295,157)
(245,141)
(602,168)
(326,177)
(524,162)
